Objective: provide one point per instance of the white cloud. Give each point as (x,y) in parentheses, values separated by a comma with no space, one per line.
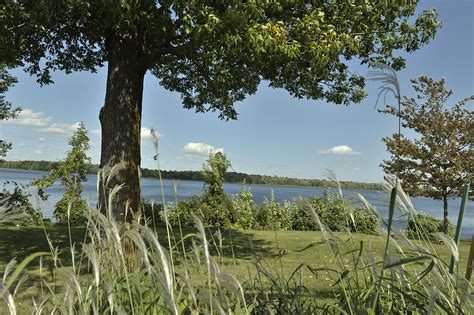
(198,149)
(61,129)
(39,122)
(27,117)
(340,150)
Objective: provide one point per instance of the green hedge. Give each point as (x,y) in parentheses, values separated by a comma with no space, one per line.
(335,214)
(240,211)
(424,225)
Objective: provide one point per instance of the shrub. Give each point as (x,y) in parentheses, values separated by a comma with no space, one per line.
(216,208)
(332,212)
(152,211)
(212,211)
(244,208)
(183,211)
(335,214)
(78,208)
(213,172)
(301,220)
(365,222)
(423,225)
(217,211)
(241,211)
(15,206)
(288,210)
(272,216)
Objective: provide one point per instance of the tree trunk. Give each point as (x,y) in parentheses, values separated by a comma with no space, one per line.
(120,119)
(445,215)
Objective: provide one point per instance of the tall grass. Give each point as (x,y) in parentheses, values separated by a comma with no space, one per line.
(123,268)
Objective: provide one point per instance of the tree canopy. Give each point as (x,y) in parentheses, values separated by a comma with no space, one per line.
(214,53)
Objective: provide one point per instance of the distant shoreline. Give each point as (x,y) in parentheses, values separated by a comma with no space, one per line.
(231,177)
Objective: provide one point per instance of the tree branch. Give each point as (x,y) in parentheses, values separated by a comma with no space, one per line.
(155,54)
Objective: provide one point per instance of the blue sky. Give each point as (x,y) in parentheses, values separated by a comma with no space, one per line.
(274,135)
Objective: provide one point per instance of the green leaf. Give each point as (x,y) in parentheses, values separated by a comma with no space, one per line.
(405,261)
(344,274)
(310,245)
(22,266)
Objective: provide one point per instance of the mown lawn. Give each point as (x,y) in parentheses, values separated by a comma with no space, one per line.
(278,253)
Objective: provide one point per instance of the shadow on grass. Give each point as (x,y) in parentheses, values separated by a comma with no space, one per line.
(242,245)
(20,242)
(235,244)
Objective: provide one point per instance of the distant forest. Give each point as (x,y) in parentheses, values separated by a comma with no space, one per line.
(230,177)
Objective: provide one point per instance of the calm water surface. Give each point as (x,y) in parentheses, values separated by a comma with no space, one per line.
(151,191)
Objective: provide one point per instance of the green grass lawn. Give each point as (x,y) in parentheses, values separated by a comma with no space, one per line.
(279,253)
(245,246)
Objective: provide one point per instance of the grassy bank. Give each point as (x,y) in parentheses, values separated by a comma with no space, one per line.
(20,242)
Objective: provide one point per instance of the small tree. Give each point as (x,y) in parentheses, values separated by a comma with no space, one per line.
(217,207)
(440,161)
(213,173)
(72,172)
(244,208)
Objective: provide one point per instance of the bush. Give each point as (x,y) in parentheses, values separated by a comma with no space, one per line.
(424,225)
(15,207)
(150,211)
(216,211)
(240,211)
(366,222)
(333,213)
(77,212)
(272,216)
(244,208)
(182,211)
(301,220)
(216,208)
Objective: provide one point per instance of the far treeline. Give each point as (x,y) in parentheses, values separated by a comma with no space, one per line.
(230,177)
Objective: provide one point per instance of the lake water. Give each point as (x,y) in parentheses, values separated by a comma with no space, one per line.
(151,191)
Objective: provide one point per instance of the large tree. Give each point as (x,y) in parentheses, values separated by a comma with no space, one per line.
(439,160)
(214,53)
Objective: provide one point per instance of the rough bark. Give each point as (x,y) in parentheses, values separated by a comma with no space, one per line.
(120,119)
(445,215)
